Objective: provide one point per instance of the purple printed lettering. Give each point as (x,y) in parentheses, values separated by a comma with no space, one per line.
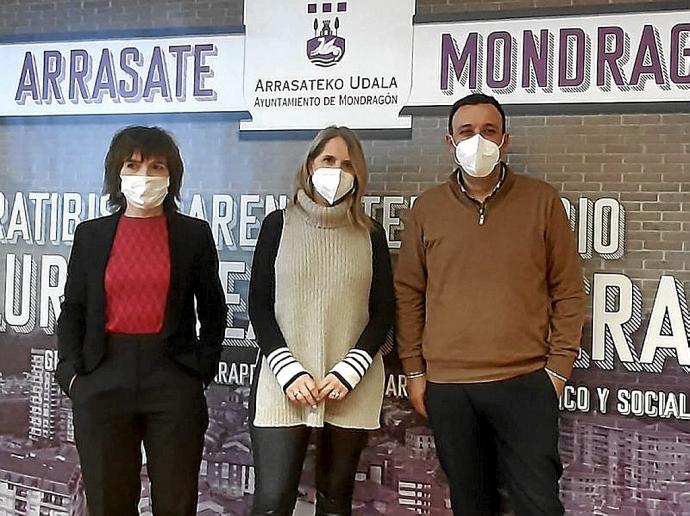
(535,63)
(181,53)
(28,83)
(504,41)
(680,35)
(203,71)
(157,78)
(609,61)
(451,59)
(566,78)
(79,73)
(53,71)
(130,55)
(648,48)
(105,78)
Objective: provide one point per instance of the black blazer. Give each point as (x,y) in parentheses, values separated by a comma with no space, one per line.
(193,274)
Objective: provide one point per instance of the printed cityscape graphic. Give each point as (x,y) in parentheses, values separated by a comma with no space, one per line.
(614,465)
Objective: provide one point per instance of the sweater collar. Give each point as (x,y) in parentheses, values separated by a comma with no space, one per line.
(323,216)
(504,185)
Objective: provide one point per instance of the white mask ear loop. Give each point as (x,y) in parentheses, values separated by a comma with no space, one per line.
(503,139)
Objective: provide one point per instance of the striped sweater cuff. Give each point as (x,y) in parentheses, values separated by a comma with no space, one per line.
(285,367)
(351,369)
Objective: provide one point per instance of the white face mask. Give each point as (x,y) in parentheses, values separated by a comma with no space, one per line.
(477,156)
(332,183)
(144,192)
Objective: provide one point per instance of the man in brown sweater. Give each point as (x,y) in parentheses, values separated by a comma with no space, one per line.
(490,306)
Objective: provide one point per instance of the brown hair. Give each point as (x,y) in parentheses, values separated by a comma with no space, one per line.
(359,168)
(149,142)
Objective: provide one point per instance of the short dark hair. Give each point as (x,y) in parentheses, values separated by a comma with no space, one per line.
(149,142)
(472,100)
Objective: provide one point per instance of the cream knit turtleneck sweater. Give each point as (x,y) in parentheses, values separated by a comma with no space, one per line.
(323,276)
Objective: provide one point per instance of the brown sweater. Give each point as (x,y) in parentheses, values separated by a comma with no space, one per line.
(491,301)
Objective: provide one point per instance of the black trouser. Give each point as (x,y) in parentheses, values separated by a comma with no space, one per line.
(505,430)
(138,394)
(278,459)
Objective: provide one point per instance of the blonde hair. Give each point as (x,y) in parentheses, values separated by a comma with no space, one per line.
(359,168)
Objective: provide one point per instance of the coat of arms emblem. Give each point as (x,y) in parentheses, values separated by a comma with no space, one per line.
(326,48)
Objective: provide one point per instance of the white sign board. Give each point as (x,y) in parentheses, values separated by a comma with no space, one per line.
(154,75)
(313,63)
(577,59)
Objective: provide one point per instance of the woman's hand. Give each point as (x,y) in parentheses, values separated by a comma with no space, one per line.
(303,391)
(332,388)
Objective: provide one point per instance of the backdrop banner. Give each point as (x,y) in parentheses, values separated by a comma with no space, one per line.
(625,427)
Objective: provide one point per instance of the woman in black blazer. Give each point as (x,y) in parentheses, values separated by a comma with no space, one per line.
(130,357)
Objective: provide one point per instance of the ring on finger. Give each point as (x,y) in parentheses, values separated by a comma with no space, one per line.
(297,394)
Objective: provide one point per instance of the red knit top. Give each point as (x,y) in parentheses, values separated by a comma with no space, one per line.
(137,277)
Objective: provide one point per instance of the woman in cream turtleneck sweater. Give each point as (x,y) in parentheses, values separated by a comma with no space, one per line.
(321,303)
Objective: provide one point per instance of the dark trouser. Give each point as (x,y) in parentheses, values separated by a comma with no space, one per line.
(507,430)
(278,459)
(138,394)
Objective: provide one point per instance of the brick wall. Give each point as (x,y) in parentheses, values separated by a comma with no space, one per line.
(640,160)
(43,16)
(454,6)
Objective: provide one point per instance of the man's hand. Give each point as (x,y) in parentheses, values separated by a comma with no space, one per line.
(558,384)
(416,392)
